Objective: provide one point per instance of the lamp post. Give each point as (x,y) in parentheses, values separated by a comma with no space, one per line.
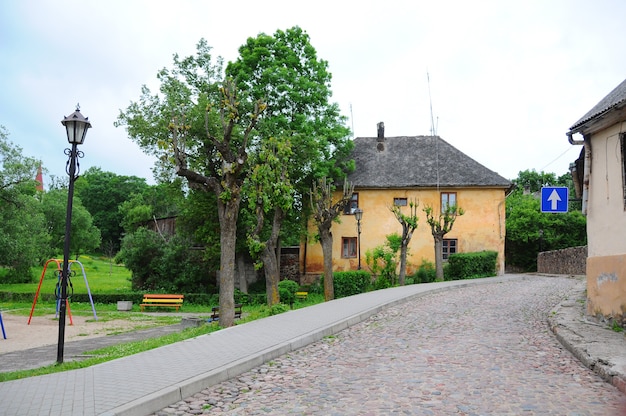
(358,214)
(76,126)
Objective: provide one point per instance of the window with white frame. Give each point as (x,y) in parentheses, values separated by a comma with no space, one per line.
(448,199)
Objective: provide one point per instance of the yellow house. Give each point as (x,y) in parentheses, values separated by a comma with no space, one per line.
(600,174)
(424,169)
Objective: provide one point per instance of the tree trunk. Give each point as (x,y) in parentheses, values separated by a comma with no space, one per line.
(401,277)
(326,239)
(269,256)
(439,257)
(228,213)
(272,275)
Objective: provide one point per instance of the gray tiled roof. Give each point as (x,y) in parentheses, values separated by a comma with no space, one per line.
(615,97)
(411,161)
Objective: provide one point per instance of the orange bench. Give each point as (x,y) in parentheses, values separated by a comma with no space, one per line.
(167,301)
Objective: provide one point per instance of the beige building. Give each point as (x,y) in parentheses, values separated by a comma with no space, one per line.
(600,176)
(425,169)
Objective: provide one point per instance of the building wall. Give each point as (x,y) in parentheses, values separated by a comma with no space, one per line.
(606,222)
(482,227)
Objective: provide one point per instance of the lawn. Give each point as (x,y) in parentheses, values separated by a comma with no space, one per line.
(101,273)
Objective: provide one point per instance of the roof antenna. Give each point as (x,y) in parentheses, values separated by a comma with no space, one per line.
(352,120)
(433,131)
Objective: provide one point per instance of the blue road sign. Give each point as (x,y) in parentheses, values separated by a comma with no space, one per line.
(554,199)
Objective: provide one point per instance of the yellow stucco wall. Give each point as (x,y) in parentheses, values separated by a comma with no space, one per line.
(606,286)
(606,220)
(482,227)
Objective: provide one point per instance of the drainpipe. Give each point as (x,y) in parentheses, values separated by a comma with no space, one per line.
(586,142)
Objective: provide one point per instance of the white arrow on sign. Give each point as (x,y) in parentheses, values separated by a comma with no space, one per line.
(554,199)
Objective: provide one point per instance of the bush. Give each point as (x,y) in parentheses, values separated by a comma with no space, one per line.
(426,273)
(287,291)
(351,283)
(472,265)
(164,265)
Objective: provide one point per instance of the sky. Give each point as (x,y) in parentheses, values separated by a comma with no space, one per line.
(502,81)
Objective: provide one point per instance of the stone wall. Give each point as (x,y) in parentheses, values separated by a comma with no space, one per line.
(571,260)
(290,263)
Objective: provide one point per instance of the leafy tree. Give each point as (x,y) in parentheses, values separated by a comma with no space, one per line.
(200,128)
(529,231)
(283,71)
(269,191)
(85,236)
(440,226)
(23,237)
(102,193)
(325,211)
(409,225)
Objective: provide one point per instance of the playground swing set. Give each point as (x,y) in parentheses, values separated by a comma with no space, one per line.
(59,272)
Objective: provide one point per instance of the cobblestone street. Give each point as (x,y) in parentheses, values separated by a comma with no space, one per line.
(483,350)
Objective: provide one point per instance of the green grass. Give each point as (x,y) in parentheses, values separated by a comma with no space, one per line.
(102,274)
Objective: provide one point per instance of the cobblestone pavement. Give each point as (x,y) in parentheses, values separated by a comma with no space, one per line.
(483,350)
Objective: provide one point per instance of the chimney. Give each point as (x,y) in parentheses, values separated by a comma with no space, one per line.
(381,131)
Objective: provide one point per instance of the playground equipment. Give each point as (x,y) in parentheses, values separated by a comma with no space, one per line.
(4,334)
(58,273)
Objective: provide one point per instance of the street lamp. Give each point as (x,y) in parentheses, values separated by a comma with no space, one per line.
(358,214)
(76,126)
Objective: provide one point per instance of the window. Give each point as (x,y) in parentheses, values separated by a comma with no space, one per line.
(352,205)
(449,247)
(448,199)
(401,202)
(348,247)
(623,149)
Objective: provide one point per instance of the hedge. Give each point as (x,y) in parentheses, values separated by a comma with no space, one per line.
(471,265)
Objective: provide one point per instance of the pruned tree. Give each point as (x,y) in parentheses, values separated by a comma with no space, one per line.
(440,226)
(270,193)
(409,223)
(325,211)
(200,128)
(226,181)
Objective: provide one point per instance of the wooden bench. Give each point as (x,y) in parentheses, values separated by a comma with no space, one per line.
(215,312)
(302,295)
(167,301)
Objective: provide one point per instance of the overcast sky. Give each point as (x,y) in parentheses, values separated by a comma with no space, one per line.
(507,78)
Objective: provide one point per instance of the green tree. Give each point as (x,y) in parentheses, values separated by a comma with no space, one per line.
(23,238)
(325,211)
(269,192)
(441,225)
(284,71)
(102,193)
(529,231)
(85,236)
(199,128)
(409,225)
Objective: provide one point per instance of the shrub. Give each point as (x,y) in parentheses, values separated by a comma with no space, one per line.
(287,291)
(351,283)
(472,265)
(426,273)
